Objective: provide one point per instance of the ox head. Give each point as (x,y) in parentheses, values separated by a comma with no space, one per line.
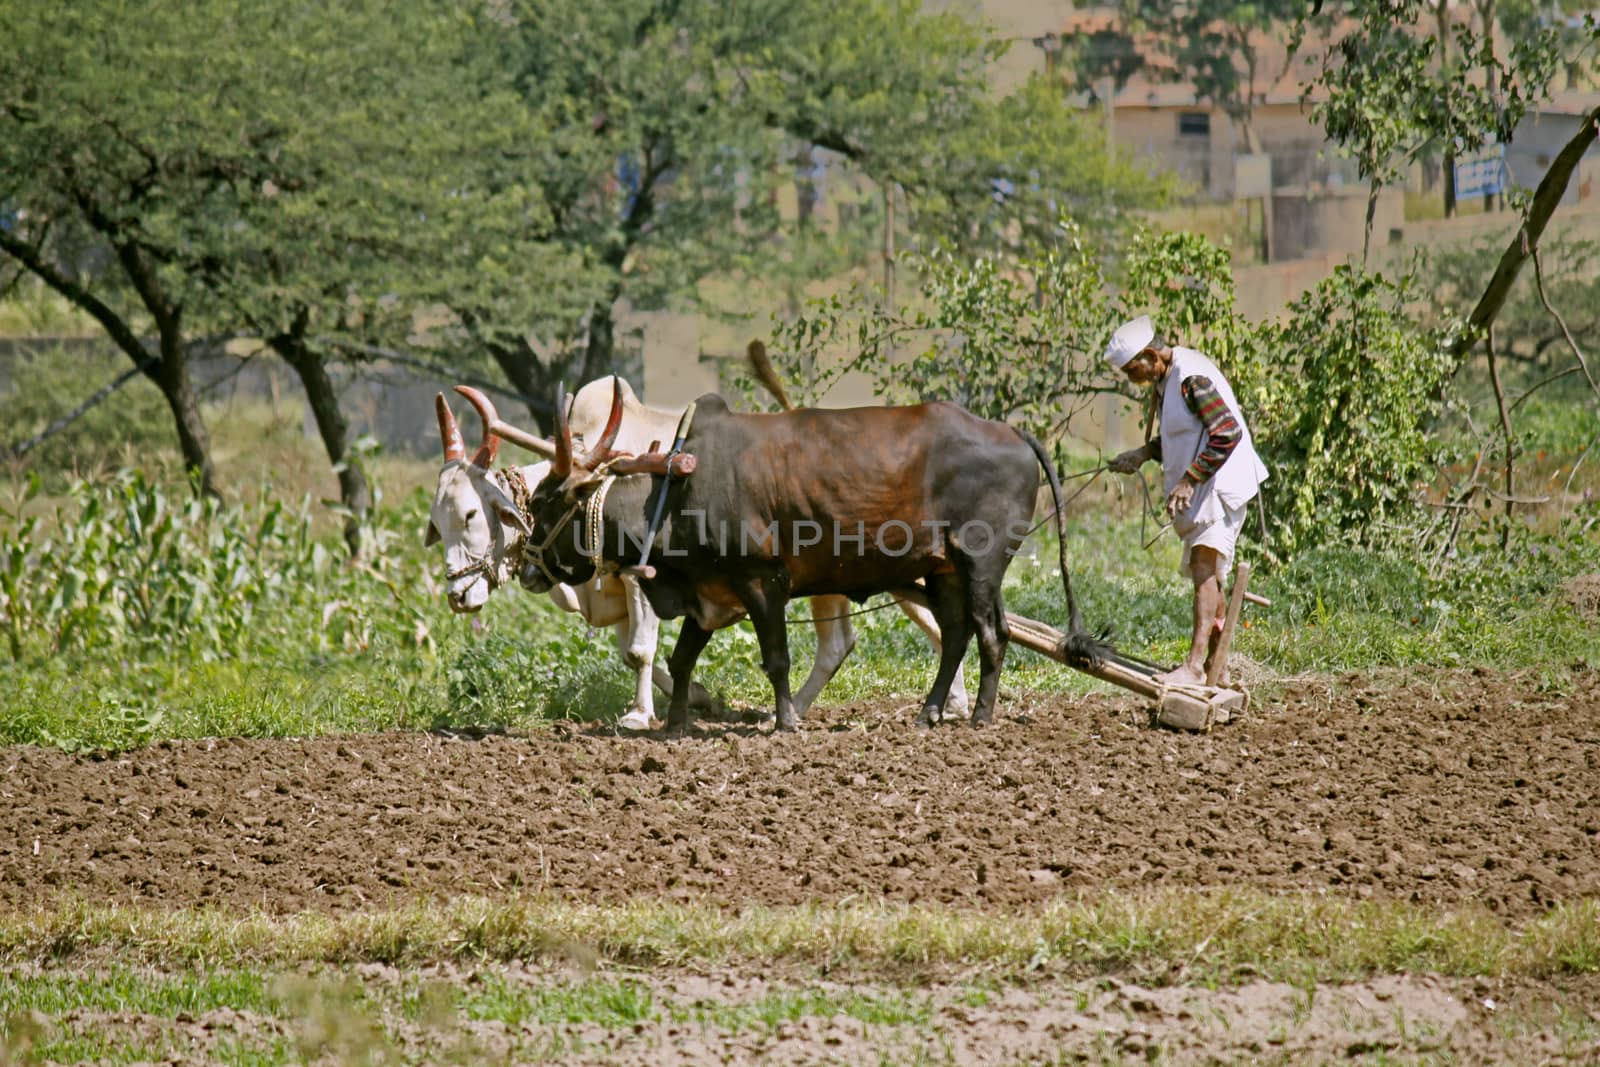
(472,513)
(557,505)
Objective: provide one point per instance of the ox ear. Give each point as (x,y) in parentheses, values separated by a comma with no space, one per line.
(505,508)
(514,518)
(432,537)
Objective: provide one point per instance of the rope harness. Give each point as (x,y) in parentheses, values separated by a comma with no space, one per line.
(516,487)
(594,509)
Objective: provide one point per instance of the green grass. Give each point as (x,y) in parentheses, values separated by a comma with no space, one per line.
(121,988)
(1217,933)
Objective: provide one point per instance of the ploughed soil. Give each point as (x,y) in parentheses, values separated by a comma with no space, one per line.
(1451,788)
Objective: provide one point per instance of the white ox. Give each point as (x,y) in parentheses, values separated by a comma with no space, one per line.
(476,514)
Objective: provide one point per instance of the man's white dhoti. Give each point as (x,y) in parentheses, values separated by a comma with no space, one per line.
(1212,524)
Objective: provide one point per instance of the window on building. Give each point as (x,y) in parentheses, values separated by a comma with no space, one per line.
(1194,124)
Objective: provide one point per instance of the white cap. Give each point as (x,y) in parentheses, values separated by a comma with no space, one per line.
(1130,339)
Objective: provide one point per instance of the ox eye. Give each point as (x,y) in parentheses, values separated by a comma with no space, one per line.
(472,514)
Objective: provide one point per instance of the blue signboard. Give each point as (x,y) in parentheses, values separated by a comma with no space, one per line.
(1482,177)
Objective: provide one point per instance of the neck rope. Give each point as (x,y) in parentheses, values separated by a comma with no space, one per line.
(594,508)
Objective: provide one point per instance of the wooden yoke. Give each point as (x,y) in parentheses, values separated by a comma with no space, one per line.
(678,465)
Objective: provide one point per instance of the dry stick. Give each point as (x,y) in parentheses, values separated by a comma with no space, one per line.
(1540,384)
(22,448)
(1538,277)
(1505,427)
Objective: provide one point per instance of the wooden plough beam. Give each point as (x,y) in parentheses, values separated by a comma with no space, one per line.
(1191,707)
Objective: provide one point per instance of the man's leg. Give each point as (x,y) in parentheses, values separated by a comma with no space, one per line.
(1217,624)
(1205,568)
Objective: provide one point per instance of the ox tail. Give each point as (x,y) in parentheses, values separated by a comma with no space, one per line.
(766,375)
(1079,646)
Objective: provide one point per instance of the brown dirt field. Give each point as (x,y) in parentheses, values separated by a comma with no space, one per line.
(1451,788)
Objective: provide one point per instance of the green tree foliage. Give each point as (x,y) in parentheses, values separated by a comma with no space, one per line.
(672,127)
(1392,92)
(283,171)
(1345,408)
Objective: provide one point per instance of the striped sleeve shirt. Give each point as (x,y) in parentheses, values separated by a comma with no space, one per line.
(1222,429)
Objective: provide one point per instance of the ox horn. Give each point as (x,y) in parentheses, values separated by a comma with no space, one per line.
(602,449)
(449,432)
(493,423)
(561,464)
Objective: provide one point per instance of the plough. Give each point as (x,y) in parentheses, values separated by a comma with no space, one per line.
(1189,707)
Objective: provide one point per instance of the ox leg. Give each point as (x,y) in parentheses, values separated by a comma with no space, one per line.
(642,715)
(835,638)
(948,593)
(685,654)
(765,598)
(956,705)
(989,624)
(637,636)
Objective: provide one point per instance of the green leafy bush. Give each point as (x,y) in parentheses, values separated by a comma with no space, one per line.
(1344,422)
(514,678)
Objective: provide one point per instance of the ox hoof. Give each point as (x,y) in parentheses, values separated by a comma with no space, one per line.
(928,717)
(638,719)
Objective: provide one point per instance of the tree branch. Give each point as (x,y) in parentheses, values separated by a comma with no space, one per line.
(114,325)
(1552,187)
(544,409)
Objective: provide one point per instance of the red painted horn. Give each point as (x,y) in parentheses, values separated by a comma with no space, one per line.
(489,445)
(503,429)
(561,466)
(449,432)
(602,449)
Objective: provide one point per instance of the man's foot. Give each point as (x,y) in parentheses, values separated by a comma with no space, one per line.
(1183,674)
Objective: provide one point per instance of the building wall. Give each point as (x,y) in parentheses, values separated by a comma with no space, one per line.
(1314,221)
(1538,140)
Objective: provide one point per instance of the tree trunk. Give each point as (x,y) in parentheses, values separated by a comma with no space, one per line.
(520,364)
(1552,187)
(1442,16)
(599,357)
(1491,73)
(1372,211)
(312,367)
(167,367)
(1507,439)
(171,375)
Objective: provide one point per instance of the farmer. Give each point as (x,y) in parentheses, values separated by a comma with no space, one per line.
(1210,467)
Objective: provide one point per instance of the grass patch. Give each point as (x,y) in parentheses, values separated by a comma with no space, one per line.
(1193,933)
(474,980)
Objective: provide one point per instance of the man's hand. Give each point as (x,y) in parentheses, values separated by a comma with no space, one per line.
(1180,498)
(1130,461)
